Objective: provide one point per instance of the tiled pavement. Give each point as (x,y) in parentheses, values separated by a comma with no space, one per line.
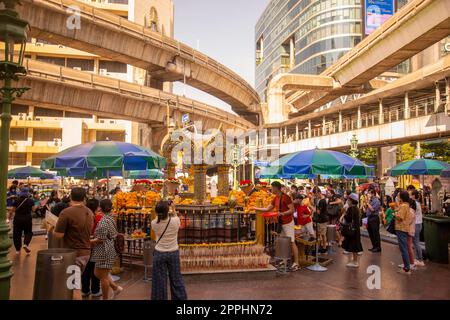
(339,282)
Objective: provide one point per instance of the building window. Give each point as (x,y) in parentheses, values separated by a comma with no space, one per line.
(113,66)
(70,114)
(44,112)
(37,158)
(18,108)
(17,159)
(46,134)
(53,60)
(110,136)
(19,134)
(80,64)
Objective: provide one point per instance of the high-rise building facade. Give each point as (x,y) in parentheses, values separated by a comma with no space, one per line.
(38,132)
(304,36)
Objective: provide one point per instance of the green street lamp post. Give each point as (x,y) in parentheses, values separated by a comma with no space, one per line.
(13,37)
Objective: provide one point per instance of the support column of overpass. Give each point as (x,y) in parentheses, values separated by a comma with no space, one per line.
(386,159)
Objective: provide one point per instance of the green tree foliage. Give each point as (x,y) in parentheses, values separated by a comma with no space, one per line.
(440,149)
(406,152)
(368,156)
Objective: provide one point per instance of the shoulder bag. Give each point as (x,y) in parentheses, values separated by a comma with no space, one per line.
(280,222)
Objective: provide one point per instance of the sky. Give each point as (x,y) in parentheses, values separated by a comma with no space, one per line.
(223,30)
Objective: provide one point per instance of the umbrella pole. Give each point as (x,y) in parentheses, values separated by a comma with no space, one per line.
(316,266)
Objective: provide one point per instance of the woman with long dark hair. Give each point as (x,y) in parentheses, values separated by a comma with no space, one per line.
(166,260)
(350,230)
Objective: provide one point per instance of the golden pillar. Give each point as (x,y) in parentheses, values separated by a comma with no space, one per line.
(171,169)
(200,182)
(223,183)
(260,228)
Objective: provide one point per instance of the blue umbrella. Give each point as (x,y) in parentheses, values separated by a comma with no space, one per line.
(419,167)
(445,173)
(310,163)
(105,155)
(29,172)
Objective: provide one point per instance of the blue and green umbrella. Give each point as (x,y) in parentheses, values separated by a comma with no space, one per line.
(311,163)
(427,167)
(29,172)
(104,156)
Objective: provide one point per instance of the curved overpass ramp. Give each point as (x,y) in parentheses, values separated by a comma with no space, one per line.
(119,39)
(64,88)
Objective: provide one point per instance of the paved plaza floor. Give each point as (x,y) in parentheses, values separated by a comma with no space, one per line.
(339,282)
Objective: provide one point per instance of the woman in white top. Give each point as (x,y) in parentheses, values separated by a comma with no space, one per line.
(166,259)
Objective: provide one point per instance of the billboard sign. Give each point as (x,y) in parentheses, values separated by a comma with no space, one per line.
(376,13)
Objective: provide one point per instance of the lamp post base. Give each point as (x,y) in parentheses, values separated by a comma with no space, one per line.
(5,263)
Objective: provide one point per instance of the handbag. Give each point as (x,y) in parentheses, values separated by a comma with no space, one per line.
(280,222)
(347,229)
(333,210)
(162,234)
(391,227)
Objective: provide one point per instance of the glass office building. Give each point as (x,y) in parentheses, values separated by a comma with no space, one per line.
(304,36)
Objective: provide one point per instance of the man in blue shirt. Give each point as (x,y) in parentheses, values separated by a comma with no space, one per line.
(372,209)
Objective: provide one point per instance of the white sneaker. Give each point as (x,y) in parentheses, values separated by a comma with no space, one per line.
(419,263)
(27,250)
(352,264)
(345,252)
(116,292)
(412,267)
(401,266)
(360,253)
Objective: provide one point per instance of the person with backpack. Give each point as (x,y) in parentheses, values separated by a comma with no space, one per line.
(22,210)
(74,226)
(104,252)
(166,259)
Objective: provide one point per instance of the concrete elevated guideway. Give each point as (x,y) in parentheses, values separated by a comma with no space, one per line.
(119,39)
(413,108)
(415,27)
(64,88)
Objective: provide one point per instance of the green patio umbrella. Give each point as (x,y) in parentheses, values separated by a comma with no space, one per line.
(427,167)
(29,172)
(105,155)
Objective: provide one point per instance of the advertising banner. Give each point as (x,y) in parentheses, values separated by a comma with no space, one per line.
(376,13)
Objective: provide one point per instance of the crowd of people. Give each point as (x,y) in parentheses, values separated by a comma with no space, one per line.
(86,225)
(315,209)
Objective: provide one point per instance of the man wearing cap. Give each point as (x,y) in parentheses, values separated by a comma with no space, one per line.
(285,208)
(22,210)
